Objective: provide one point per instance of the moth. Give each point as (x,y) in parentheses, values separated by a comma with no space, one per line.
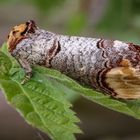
(109,66)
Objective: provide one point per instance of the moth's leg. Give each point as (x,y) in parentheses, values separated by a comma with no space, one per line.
(28,70)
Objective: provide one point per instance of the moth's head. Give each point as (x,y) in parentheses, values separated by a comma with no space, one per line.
(20,32)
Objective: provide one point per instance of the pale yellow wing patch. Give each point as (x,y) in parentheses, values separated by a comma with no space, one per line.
(125,81)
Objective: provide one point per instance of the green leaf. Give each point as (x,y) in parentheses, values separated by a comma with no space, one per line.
(38,101)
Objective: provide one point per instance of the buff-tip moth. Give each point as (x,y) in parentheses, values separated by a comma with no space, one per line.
(112,67)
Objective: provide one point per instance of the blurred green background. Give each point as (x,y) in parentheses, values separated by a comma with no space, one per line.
(113,19)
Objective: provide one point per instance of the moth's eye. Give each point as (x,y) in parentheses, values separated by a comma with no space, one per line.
(14,32)
(8,36)
(24,32)
(27,23)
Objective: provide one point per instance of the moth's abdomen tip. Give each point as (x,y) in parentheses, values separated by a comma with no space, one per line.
(124,81)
